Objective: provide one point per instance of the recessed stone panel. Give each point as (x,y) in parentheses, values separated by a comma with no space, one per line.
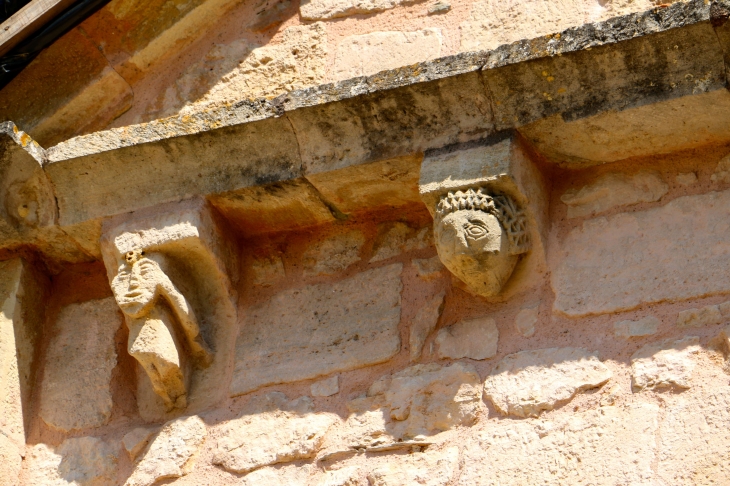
(316,330)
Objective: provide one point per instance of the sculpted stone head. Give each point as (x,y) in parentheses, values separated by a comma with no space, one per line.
(479,238)
(138,283)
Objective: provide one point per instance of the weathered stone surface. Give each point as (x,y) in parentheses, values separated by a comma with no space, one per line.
(430,468)
(267,271)
(705,316)
(330,9)
(617,263)
(290,476)
(428,268)
(664,364)
(79,461)
(265,437)
(612,190)
(473,339)
(172,453)
(722,171)
(137,439)
(400,238)
(363,55)
(346,476)
(686,178)
(526,383)
(575,449)
(724,309)
(424,323)
(10,462)
(327,387)
(320,329)
(526,319)
(333,254)
(643,327)
(76,393)
(693,439)
(420,400)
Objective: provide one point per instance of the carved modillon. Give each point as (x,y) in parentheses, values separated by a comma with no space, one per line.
(480,237)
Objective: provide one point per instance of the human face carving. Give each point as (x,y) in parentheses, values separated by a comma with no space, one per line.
(474,247)
(136,284)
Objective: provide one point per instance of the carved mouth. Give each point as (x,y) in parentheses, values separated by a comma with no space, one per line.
(133,295)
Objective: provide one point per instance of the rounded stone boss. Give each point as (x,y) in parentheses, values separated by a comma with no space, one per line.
(480,237)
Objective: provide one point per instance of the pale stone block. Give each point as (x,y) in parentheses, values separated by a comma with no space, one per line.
(285,476)
(363,55)
(705,316)
(722,171)
(330,9)
(172,453)
(321,329)
(664,364)
(346,476)
(326,387)
(526,383)
(526,319)
(613,190)
(76,388)
(643,327)
(273,436)
(267,271)
(424,323)
(693,439)
(674,252)
(333,254)
(428,268)
(603,447)
(10,462)
(137,439)
(473,339)
(400,238)
(78,461)
(22,300)
(686,178)
(430,468)
(417,401)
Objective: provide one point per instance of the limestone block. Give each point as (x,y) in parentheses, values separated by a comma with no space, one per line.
(10,462)
(722,171)
(363,55)
(23,291)
(76,388)
(263,438)
(473,339)
(428,268)
(290,476)
(330,9)
(686,178)
(526,319)
(417,401)
(136,440)
(400,238)
(693,438)
(242,69)
(317,330)
(613,190)
(327,387)
(333,254)
(346,476)
(705,316)
(489,203)
(267,271)
(526,383)
(603,447)
(430,468)
(424,323)
(643,327)
(674,252)
(84,461)
(172,453)
(664,364)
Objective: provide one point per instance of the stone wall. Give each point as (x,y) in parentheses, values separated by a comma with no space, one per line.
(360,360)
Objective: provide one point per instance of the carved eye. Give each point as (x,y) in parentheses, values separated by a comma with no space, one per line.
(475,229)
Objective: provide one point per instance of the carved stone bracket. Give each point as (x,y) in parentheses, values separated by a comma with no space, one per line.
(171,272)
(489,205)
